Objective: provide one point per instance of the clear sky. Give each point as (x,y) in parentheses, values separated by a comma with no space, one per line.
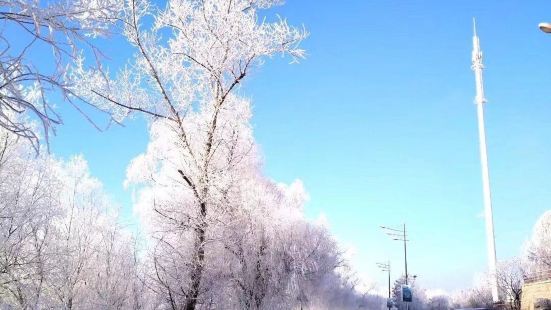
(379,123)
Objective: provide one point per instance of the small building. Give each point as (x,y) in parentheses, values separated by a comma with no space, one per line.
(536,291)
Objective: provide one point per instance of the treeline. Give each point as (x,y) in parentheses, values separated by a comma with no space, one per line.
(214,232)
(62,246)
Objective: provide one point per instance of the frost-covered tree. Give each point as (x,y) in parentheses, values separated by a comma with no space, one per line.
(76,236)
(441,302)
(539,246)
(419,296)
(476,297)
(510,278)
(60,244)
(220,234)
(27,203)
(94,266)
(38,39)
(190,59)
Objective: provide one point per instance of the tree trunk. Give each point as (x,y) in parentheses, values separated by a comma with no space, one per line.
(198,265)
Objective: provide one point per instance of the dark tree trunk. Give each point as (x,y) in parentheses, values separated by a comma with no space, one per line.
(199,262)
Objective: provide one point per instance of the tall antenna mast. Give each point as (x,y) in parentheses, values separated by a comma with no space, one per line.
(488,216)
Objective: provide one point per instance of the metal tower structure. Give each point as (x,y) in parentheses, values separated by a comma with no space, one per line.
(477,67)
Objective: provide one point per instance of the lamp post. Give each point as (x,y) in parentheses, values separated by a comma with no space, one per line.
(400,235)
(386,267)
(545,27)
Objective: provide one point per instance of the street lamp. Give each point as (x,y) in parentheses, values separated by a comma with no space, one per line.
(545,27)
(386,267)
(400,235)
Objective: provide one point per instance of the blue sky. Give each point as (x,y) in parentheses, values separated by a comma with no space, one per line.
(379,123)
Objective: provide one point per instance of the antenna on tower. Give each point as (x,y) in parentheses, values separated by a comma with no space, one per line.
(477,67)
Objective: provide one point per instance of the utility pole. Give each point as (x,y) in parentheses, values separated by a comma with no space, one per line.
(400,235)
(386,267)
(405,252)
(477,67)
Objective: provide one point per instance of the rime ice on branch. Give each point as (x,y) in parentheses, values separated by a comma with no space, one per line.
(189,61)
(38,39)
